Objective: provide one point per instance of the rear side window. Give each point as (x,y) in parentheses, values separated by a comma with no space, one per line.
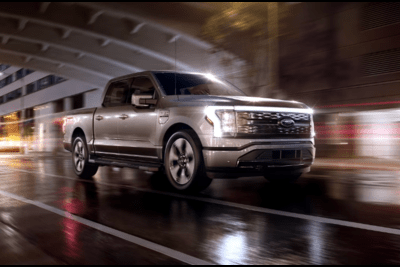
(117,94)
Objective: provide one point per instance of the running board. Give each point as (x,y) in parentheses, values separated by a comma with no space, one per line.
(145,166)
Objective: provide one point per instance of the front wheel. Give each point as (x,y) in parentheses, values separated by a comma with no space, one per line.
(80,159)
(183,161)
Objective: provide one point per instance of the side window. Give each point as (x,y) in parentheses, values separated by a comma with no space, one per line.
(117,94)
(143,86)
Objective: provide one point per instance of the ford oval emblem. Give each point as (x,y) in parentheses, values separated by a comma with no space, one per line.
(287,123)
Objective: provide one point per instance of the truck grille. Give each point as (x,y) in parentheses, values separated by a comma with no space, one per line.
(270,123)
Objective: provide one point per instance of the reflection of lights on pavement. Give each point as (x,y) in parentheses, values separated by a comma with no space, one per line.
(74,199)
(11,235)
(73,205)
(316,246)
(11,203)
(71,231)
(5,216)
(41,169)
(232,249)
(380,189)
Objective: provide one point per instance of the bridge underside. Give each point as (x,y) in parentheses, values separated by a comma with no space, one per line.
(94,42)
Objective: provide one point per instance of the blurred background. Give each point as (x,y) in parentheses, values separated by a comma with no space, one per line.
(341,59)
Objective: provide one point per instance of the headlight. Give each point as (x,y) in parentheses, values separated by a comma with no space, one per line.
(312,130)
(223,119)
(228,121)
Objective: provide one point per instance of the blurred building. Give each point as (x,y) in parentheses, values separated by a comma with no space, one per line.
(343,60)
(32,104)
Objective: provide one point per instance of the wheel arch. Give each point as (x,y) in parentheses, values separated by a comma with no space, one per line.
(77,132)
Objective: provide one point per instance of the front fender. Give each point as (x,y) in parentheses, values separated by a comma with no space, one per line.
(192,117)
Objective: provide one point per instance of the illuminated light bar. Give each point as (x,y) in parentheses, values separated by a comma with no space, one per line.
(274,109)
(360,104)
(210,113)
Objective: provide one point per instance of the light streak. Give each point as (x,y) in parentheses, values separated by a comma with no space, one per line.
(275,109)
(360,104)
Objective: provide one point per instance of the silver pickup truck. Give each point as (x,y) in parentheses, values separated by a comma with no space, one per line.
(194,127)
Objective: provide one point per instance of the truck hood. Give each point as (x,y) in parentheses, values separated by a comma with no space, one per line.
(208,100)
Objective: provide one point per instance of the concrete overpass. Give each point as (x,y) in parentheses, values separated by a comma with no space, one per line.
(94,42)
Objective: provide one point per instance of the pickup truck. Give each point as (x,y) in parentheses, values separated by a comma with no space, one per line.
(192,128)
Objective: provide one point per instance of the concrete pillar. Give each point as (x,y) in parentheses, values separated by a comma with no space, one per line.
(68,104)
(87,100)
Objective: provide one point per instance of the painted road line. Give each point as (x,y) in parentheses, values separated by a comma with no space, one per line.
(247,207)
(130,238)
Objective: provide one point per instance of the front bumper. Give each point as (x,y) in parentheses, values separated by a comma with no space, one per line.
(259,159)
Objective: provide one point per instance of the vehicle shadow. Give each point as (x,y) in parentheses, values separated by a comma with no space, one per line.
(301,196)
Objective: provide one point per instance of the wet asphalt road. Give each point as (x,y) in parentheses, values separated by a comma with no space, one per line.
(126,216)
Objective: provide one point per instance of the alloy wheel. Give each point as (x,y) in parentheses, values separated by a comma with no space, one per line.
(79,156)
(181,161)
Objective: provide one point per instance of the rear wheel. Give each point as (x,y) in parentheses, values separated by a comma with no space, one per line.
(80,159)
(183,161)
(283,179)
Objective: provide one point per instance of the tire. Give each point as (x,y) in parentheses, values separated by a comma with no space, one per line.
(80,159)
(184,164)
(283,179)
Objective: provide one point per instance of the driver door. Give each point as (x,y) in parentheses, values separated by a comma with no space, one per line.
(138,128)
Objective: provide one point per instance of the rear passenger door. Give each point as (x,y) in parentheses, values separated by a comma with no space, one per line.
(106,118)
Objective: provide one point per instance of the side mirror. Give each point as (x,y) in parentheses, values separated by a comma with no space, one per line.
(143,100)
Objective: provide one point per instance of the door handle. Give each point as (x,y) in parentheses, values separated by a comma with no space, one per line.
(99,118)
(123,116)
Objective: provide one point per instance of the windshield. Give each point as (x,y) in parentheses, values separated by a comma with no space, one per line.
(195,84)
